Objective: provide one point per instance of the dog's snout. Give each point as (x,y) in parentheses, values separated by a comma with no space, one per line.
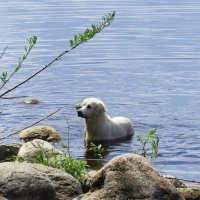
(80,114)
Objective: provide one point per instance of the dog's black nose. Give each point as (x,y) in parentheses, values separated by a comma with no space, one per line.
(79,113)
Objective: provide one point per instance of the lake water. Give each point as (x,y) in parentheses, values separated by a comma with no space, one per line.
(145,66)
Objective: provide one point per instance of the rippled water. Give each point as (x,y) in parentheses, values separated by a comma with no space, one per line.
(145,66)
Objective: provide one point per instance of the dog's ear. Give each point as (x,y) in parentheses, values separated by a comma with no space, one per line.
(100,108)
(78,106)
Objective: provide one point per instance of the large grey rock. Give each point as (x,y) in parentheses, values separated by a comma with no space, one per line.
(46,133)
(30,150)
(9,150)
(130,177)
(27,181)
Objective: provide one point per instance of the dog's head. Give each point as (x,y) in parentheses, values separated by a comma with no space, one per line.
(90,107)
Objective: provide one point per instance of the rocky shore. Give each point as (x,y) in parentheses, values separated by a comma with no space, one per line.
(125,177)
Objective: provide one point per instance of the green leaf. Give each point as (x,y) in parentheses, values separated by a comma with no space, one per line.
(4,77)
(94,28)
(71,43)
(151,133)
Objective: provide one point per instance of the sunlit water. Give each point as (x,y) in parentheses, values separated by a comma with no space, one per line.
(145,66)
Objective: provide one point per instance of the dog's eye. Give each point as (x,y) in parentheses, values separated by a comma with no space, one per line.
(89,106)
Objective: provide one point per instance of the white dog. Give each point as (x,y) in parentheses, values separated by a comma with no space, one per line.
(99,126)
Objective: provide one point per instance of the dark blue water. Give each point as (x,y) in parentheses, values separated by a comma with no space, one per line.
(145,66)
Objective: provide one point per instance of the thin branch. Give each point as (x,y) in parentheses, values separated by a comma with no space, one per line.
(35,74)
(75,42)
(33,124)
(3,52)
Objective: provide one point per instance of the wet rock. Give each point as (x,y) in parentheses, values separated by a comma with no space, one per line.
(130,177)
(31,101)
(30,150)
(46,133)
(190,193)
(9,150)
(27,181)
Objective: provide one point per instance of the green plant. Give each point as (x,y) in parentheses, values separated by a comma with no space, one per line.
(18,159)
(51,158)
(77,168)
(97,151)
(149,145)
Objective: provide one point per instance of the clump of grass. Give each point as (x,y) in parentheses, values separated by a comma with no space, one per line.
(149,145)
(77,168)
(97,150)
(17,159)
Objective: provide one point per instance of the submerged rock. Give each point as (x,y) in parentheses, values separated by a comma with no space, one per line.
(31,101)
(27,181)
(130,177)
(46,133)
